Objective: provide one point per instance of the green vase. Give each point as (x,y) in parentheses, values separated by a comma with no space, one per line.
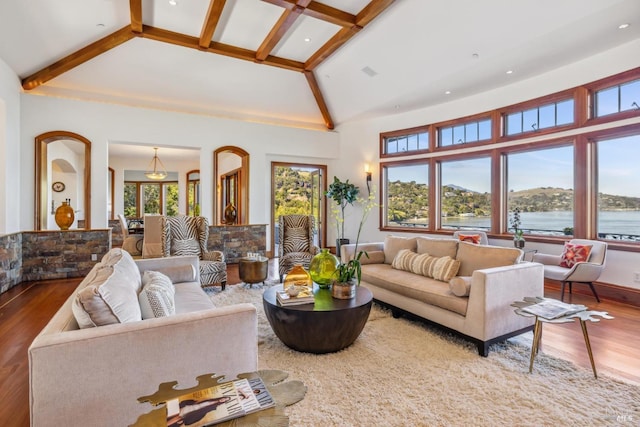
(322,267)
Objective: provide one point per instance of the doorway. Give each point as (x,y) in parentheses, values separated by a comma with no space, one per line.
(298,188)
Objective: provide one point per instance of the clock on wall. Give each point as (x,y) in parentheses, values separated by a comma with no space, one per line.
(58,186)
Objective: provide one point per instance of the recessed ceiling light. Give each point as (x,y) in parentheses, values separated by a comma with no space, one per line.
(307,39)
(623,26)
(99,25)
(475,56)
(447,92)
(173,2)
(509,71)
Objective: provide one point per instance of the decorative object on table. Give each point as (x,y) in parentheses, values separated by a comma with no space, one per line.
(322,267)
(343,193)
(298,276)
(58,186)
(230,214)
(548,310)
(516,222)
(269,387)
(347,277)
(64,215)
(295,295)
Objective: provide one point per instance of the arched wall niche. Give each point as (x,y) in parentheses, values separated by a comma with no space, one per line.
(240,178)
(77,150)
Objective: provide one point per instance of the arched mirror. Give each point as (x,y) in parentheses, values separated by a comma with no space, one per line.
(231,175)
(62,174)
(193,193)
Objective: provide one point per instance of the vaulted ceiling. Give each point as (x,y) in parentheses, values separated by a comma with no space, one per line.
(298,62)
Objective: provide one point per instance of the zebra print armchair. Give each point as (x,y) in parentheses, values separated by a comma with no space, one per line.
(188,235)
(295,242)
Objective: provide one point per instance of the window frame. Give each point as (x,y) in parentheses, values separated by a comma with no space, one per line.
(428,129)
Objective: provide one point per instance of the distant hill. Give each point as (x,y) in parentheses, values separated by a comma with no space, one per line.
(545,199)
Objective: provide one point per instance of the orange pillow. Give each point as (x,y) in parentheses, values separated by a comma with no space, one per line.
(573,254)
(471,238)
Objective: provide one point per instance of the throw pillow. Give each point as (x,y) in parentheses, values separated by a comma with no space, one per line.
(157,296)
(403,260)
(375,257)
(437,247)
(393,245)
(471,238)
(185,247)
(179,273)
(573,254)
(460,286)
(439,268)
(296,239)
(477,257)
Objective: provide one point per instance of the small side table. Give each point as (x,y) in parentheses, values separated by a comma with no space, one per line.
(583,316)
(254,269)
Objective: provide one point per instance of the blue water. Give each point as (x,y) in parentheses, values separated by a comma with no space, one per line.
(617,222)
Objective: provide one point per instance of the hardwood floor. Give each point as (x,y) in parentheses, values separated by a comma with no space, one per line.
(26,309)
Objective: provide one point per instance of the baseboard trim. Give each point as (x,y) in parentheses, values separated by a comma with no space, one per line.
(606,291)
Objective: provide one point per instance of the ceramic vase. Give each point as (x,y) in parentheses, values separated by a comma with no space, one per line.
(64,216)
(344,290)
(322,267)
(230,214)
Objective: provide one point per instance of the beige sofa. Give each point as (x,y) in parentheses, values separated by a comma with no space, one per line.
(93,376)
(492,278)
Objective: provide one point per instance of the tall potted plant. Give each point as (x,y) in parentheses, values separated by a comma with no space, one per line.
(343,193)
(518,239)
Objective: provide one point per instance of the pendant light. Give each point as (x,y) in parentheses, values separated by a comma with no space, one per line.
(156,170)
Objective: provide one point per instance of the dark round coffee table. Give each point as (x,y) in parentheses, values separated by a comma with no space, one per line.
(325,326)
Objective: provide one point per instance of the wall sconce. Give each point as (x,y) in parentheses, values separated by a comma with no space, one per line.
(368,175)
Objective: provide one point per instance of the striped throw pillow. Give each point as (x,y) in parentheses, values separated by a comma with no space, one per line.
(404,260)
(439,268)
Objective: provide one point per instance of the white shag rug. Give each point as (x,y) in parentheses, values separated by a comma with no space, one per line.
(404,373)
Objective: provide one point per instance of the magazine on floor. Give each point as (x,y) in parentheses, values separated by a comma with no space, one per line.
(553,309)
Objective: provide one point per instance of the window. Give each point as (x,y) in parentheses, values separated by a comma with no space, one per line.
(406,191)
(466,194)
(408,143)
(540,184)
(464,133)
(543,117)
(150,198)
(618,191)
(618,98)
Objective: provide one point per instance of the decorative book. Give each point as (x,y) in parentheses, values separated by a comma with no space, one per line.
(305,296)
(553,309)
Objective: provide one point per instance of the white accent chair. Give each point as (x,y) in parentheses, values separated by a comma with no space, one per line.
(582,272)
(131,243)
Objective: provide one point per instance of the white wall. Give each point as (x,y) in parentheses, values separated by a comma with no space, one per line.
(9,150)
(359,141)
(101,123)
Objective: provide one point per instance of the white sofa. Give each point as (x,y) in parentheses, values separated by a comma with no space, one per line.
(93,376)
(493,276)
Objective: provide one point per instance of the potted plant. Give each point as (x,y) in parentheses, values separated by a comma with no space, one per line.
(343,193)
(515,222)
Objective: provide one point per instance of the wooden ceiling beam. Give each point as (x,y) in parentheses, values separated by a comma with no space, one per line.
(136,15)
(211,22)
(334,43)
(184,40)
(286,21)
(79,57)
(371,11)
(315,88)
(319,11)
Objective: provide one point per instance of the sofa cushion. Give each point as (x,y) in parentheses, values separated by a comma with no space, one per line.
(477,257)
(439,268)
(460,286)
(437,247)
(190,297)
(573,254)
(471,238)
(404,260)
(393,245)
(111,294)
(179,273)
(420,288)
(157,295)
(374,257)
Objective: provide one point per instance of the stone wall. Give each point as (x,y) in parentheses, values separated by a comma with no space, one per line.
(236,240)
(62,254)
(10,261)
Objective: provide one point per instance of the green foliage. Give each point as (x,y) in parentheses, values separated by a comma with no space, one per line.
(353,269)
(343,194)
(293,191)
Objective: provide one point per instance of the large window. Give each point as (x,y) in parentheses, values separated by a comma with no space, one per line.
(407,195)
(465,193)
(150,198)
(463,133)
(618,189)
(405,143)
(540,185)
